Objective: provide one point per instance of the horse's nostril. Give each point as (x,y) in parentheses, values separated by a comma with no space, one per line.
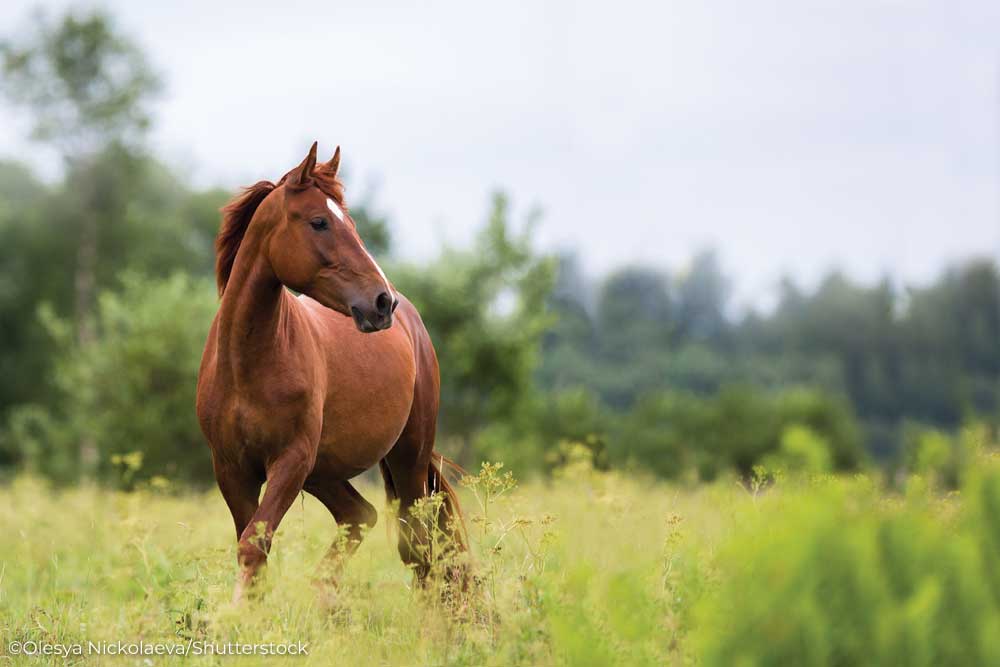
(383,304)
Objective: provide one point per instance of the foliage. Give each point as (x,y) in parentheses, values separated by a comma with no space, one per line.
(373,228)
(801,450)
(538,436)
(839,576)
(485,311)
(131,389)
(673,433)
(591,567)
(940,457)
(150,223)
(927,354)
(646,366)
(88,85)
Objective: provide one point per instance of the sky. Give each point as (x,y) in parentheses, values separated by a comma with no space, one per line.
(795,137)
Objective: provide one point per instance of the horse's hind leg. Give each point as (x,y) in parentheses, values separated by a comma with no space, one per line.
(350,509)
(411,474)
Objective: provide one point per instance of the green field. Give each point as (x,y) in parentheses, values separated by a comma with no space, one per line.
(588,569)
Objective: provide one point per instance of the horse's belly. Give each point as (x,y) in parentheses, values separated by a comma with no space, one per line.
(364,416)
(350,447)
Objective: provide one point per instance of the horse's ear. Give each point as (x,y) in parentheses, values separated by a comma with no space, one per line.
(302,174)
(335,162)
(333,166)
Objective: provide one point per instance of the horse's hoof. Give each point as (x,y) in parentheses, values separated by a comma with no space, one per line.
(243,588)
(330,602)
(328,598)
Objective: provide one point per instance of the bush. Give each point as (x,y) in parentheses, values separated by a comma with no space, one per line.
(943,458)
(537,436)
(673,433)
(838,576)
(130,391)
(830,417)
(657,434)
(801,450)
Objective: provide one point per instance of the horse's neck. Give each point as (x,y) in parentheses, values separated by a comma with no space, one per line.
(251,312)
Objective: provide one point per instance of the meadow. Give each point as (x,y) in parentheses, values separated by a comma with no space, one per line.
(589,568)
(719,466)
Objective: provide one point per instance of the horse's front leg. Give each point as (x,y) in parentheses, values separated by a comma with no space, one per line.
(285,476)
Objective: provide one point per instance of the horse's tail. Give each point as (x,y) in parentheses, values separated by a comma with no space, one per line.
(436,483)
(390,493)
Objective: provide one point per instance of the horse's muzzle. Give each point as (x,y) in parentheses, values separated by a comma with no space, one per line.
(372,321)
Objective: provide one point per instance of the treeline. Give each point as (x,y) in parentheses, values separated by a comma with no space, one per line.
(903,359)
(106,295)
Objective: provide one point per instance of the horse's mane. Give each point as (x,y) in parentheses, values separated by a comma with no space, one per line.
(237,214)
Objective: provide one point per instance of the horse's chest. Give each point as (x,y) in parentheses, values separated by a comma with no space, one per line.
(262,423)
(253,420)
(353,421)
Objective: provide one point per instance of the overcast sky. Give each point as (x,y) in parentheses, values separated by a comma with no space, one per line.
(794,136)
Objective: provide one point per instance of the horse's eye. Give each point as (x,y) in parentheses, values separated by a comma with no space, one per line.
(318,224)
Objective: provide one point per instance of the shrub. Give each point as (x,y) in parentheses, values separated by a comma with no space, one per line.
(828,416)
(801,450)
(535,436)
(130,391)
(657,434)
(672,433)
(839,576)
(941,457)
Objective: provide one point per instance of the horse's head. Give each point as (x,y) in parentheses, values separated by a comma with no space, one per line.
(315,248)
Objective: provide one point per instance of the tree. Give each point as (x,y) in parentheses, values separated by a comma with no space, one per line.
(87,87)
(702,298)
(131,389)
(950,356)
(485,310)
(373,228)
(633,312)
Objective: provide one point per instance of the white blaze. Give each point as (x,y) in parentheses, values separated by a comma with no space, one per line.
(332,205)
(381,273)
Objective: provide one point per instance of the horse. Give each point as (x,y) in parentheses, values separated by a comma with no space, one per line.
(308,391)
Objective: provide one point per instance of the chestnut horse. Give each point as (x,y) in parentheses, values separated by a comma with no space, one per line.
(308,391)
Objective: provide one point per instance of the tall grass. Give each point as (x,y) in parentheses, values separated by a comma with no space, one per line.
(591,568)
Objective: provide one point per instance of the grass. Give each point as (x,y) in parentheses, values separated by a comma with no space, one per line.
(588,569)
(89,564)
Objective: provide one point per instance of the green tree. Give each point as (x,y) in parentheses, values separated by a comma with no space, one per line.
(633,309)
(373,228)
(950,357)
(702,298)
(131,389)
(25,249)
(87,87)
(485,310)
